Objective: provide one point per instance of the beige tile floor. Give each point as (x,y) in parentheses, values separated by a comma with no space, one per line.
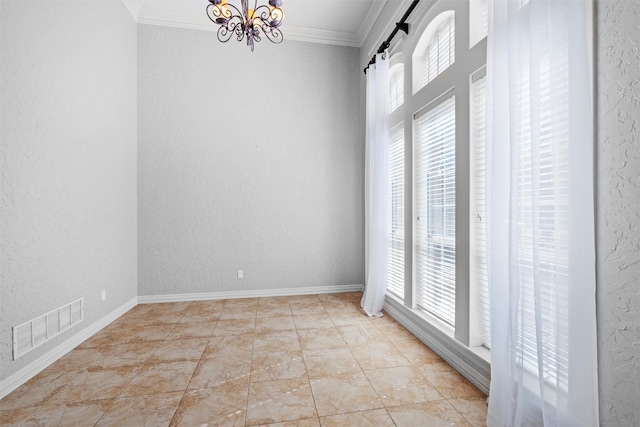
(284,361)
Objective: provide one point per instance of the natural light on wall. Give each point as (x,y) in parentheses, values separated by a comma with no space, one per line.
(478,21)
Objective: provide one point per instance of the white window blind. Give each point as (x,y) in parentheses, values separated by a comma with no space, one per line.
(395,280)
(396,87)
(435,210)
(543,221)
(440,52)
(478,176)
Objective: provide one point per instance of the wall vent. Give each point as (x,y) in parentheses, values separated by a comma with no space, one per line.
(35,332)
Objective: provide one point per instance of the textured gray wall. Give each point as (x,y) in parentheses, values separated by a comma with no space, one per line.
(68,162)
(247,161)
(618,205)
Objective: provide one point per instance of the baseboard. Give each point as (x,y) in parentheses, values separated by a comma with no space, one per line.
(147,299)
(460,357)
(34,368)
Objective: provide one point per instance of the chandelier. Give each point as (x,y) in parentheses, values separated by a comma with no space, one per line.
(252,23)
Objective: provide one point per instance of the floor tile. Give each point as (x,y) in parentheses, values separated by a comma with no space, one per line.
(436,413)
(161,377)
(277,366)
(452,385)
(416,352)
(149,333)
(234,346)
(379,354)
(401,385)
(276,341)
(179,350)
(191,330)
(279,400)
(394,331)
(238,312)
(203,311)
(308,422)
(15,417)
(224,405)
(142,411)
(215,372)
(304,299)
(340,318)
(95,385)
(265,325)
(306,308)
(301,361)
(343,393)
(58,412)
(473,409)
(320,338)
(374,417)
(234,327)
(280,309)
(313,321)
(37,391)
(355,335)
(325,362)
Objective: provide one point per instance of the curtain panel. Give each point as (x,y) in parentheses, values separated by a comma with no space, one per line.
(377,189)
(540,213)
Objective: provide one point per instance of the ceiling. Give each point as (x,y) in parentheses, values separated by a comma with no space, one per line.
(341,22)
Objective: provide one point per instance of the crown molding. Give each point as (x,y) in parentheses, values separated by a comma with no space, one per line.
(370,20)
(134,8)
(302,34)
(312,35)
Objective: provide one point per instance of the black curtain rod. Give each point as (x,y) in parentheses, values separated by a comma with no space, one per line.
(400,26)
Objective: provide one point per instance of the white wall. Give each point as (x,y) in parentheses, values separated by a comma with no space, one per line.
(68,162)
(618,211)
(247,161)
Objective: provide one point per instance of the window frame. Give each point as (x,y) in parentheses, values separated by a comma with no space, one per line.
(454,79)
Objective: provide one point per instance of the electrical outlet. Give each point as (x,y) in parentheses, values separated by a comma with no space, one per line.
(104,295)
(240,274)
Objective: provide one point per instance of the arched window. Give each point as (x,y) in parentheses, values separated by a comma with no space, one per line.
(435,51)
(396,86)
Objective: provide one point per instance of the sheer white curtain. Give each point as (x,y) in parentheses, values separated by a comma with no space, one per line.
(377,190)
(540,213)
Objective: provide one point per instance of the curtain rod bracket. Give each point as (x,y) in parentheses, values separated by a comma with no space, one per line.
(403,26)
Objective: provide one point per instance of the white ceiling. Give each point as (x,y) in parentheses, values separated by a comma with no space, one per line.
(342,22)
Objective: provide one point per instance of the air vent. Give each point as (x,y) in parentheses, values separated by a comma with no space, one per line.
(35,332)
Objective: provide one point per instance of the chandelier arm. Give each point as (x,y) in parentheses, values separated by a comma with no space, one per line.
(273,34)
(225,32)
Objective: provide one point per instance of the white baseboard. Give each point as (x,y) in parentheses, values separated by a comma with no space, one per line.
(146,299)
(460,357)
(34,368)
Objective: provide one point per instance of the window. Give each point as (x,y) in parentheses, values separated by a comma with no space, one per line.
(396,95)
(395,283)
(435,52)
(549,217)
(435,186)
(478,222)
(435,267)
